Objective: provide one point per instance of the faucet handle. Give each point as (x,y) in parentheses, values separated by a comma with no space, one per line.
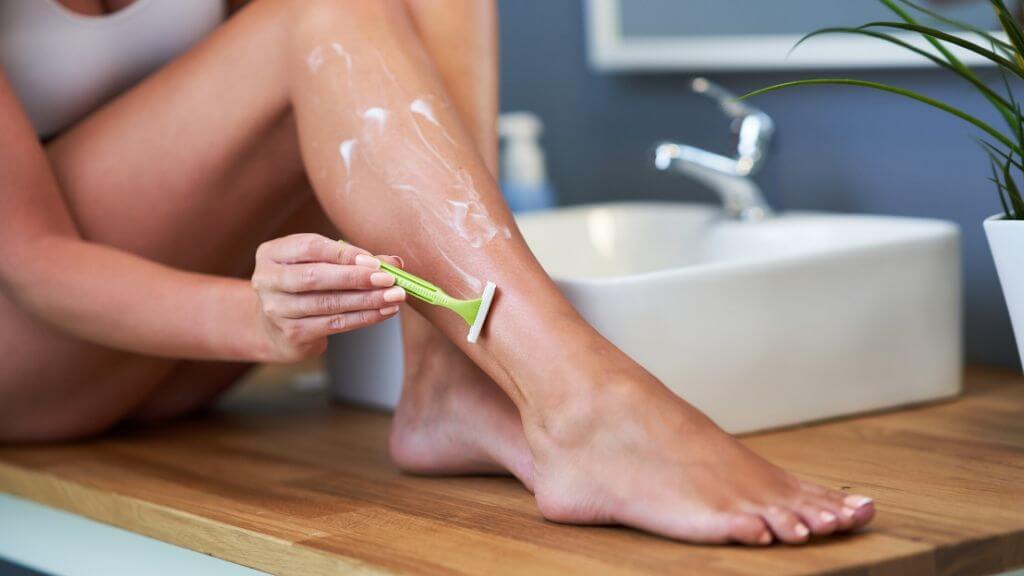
(753,127)
(725,99)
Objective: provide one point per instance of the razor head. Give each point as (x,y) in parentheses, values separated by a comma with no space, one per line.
(481,315)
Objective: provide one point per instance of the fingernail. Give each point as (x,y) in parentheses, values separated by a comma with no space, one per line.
(766,538)
(848,512)
(368,261)
(401,263)
(389,310)
(382,279)
(857,501)
(801,530)
(395,294)
(827,517)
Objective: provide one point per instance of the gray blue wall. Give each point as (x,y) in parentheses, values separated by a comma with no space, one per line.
(845,150)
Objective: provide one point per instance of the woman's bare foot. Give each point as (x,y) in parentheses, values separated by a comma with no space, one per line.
(452,418)
(633,453)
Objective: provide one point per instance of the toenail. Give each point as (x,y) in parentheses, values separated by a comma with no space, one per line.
(848,512)
(801,530)
(827,517)
(766,538)
(857,501)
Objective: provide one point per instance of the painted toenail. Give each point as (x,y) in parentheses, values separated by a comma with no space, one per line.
(766,538)
(856,501)
(801,530)
(827,517)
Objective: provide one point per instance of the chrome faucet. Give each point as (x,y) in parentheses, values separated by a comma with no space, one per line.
(730,177)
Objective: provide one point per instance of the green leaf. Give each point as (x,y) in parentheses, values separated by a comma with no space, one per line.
(993,150)
(1013,193)
(1011,27)
(1001,104)
(901,92)
(935,43)
(1001,44)
(952,39)
(954,63)
(999,185)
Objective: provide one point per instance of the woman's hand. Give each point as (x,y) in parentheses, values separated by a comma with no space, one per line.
(310,287)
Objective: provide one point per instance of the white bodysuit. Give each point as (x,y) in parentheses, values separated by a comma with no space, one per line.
(64,65)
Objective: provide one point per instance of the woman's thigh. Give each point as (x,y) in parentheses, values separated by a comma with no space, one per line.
(194,167)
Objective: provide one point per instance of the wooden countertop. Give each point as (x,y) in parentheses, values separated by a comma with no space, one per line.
(280,480)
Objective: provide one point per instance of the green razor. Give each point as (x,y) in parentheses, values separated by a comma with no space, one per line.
(474,312)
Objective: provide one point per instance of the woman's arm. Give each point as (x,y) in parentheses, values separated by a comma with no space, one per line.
(117,299)
(96,292)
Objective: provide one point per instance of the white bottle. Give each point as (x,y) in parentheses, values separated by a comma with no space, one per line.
(524,179)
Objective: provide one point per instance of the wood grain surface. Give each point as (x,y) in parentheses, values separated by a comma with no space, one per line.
(281,480)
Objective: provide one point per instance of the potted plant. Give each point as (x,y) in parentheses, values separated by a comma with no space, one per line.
(1004,146)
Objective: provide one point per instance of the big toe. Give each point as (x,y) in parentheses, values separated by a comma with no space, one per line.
(853,510)
(863,509)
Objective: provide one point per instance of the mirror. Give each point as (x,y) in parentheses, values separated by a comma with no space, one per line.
(737,35)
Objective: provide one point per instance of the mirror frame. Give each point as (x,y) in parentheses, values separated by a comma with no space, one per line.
(609,51)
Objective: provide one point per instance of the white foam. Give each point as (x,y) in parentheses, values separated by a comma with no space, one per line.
(341,52)
(345,149)
(423,108)
(315,59)
(378,116)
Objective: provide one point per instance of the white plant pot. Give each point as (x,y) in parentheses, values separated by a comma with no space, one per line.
(1006,239)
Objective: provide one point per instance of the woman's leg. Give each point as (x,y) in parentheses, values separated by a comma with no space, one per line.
(452,418)
(396,170)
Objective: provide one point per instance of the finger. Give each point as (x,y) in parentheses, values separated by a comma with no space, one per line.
(318,277)
(393,260)
(374,261)
(350,253)
(315,327)
(337,302)
(299,248)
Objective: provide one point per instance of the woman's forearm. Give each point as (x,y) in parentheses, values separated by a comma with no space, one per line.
(117,299)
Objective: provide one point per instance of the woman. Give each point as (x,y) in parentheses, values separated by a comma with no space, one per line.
(125,240)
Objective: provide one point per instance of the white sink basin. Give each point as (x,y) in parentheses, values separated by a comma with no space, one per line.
(760,325)
(766,324)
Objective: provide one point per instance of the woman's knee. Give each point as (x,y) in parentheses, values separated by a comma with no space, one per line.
(323,19)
